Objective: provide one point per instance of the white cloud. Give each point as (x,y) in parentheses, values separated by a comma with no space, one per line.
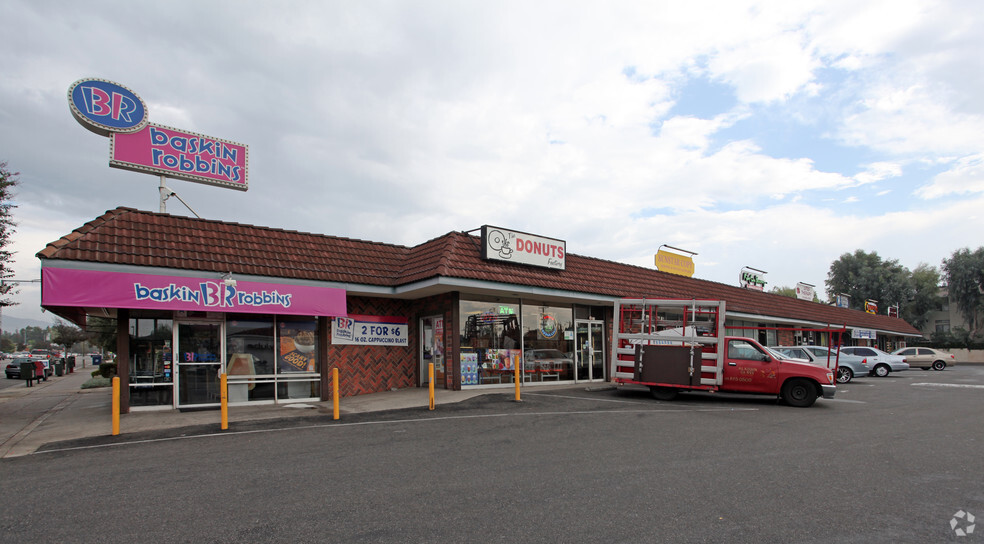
(966,176)
(397,122)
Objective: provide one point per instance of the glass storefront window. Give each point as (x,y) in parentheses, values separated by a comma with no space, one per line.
(151,371)
(251,359)
(297,358)
(490,341)
(548,343)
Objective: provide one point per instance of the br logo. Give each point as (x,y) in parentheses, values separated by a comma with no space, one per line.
(962,523)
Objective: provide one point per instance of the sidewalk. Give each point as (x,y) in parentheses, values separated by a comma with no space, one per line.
(59,410)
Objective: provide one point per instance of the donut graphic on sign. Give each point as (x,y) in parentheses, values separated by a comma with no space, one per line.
(500,243)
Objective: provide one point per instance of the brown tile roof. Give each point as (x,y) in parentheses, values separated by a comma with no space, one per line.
(126,236)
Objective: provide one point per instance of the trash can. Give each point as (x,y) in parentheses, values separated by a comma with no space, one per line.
(27,373)
(71,364)
(59,368)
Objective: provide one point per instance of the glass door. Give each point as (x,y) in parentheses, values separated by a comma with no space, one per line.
(590,350)
(198,355)
(432,350)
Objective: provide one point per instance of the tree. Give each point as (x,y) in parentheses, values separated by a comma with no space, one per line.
(102,332)
(8,180)
(865,276)
(964,273)
(925,297)
(67,335)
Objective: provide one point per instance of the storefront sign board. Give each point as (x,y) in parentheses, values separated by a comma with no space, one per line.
(370,330)
(180,154)
(750,279)
(500,244)
(100,289)
(804,291)
(674,264)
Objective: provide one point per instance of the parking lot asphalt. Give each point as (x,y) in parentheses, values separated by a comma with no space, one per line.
(891,459)
(58,414)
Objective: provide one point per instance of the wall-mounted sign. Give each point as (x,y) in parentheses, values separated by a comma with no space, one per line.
(674,263)
(183,155)
(751,278)
(863,334)
(522,248)
(871,306)
(804,291)
(370,330)
(100,289)
(106,107)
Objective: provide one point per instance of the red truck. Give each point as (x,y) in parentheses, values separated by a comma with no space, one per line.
(682,345)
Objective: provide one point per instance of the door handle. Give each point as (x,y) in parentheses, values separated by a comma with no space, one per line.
(732,364)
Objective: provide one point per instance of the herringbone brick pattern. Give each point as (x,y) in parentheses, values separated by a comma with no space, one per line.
(371,369)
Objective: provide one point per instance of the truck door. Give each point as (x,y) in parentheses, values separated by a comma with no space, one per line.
(748,368)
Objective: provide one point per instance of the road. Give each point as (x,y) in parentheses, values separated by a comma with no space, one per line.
(889,460)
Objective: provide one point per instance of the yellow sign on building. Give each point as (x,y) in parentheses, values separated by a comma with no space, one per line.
(674,263)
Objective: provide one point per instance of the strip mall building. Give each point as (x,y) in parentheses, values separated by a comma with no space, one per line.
(276,310)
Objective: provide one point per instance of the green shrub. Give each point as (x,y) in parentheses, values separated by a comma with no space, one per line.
(97,382)
(107,370)
(95,373)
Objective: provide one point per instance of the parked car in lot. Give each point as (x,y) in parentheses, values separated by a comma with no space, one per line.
(881,364)
(848,366)
(926,358)
(12,369)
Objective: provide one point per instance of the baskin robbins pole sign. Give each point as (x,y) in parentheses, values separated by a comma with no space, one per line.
(110,109)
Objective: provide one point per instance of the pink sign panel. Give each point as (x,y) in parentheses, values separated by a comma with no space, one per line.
(97,289)
(157,149)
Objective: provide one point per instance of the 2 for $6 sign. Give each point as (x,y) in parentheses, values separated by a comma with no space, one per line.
(370,331)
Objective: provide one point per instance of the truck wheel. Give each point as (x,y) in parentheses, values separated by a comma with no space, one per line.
(939,365)
(844,374)
(663,393)
(882,370)
(799,393)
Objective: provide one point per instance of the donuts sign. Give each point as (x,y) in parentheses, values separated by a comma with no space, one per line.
(519,247)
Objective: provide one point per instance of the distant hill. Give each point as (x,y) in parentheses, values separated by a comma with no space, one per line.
(12,324)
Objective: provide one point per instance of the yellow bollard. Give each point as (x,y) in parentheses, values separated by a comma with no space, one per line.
(116,405)
(517,375)
(334,390)
(430,379)
(224,395)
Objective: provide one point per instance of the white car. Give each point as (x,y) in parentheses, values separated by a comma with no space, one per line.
(926,358)
(882,364)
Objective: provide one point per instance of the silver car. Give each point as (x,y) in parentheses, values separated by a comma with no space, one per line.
(882,364)
(848,366)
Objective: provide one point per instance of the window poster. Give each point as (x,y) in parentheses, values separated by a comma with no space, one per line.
(469,368)
(502,359)
(297,346)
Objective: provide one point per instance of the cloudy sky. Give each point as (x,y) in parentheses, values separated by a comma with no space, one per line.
(778,135)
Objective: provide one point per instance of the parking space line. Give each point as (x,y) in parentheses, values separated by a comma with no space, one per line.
(959,385)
